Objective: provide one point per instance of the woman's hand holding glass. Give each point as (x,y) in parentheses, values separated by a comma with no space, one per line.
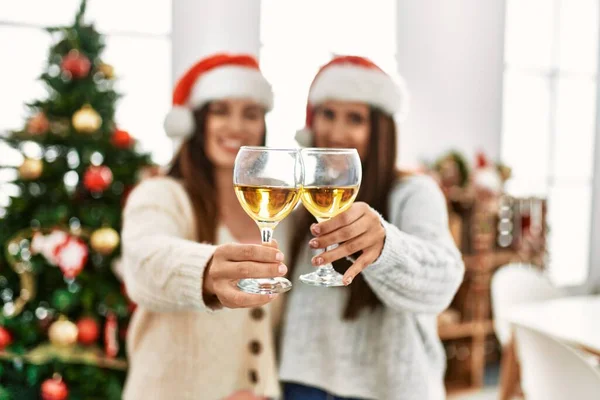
(232,262)
(358,229)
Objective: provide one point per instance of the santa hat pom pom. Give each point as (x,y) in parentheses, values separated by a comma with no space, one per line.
(304,137)
(179,122)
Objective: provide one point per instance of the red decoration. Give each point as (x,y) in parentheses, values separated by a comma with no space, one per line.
(54,389)
(76,64)
(88,330)
(111,331)
(5,338)
(38,124)
(47,244)
(71,256)
(481,160)
(122,139)
(97,178)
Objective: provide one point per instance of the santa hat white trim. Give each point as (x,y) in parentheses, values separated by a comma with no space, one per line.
(350,82)
(234,82)
(227,81)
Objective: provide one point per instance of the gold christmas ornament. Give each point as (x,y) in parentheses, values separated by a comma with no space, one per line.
(87,120)
(104,240)
(63,332)
(31,169)
(107,70)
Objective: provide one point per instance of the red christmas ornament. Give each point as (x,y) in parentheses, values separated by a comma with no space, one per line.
(88,330)
(97,178)
(111,331)
(71,256)
(54,389)
(5,338)
(76,64)
(122,139)
(38,124)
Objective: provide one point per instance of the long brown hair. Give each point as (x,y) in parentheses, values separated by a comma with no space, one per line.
(192,166)
(378,178)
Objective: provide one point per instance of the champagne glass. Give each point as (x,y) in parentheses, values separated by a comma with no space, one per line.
(267,183)
(331,182)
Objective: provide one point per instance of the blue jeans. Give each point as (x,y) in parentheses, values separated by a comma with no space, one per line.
(294,391)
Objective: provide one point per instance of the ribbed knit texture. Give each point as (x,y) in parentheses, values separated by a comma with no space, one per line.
(394,352)
(178,347)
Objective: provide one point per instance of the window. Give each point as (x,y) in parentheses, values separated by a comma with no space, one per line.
(549,120)
(298,37)
(138,45)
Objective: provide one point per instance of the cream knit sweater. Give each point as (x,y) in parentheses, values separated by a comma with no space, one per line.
(177,347)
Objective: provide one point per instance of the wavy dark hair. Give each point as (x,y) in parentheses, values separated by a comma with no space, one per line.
(379,176)
(192,166)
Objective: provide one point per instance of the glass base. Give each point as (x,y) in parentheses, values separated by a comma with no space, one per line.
(323,276)
(265,285)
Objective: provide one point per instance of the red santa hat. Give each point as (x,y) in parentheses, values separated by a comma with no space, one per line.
(216,77)
(355,79)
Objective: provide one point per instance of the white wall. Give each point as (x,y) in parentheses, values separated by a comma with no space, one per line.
(202,27)
(451,54)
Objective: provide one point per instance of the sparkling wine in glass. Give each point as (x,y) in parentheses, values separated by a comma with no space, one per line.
(267,182)
(331,182)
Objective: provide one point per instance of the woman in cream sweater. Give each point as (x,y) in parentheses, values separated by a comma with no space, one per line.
(189,337)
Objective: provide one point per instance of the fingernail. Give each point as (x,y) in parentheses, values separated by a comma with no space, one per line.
(314,244)
(318,261)
(279,256)
(273,295)
(315,229)
(282,269)
(348,281)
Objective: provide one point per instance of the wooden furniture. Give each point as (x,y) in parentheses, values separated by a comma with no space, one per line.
(491,231)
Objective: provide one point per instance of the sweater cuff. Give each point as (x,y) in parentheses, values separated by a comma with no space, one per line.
(189,279)
(391,254)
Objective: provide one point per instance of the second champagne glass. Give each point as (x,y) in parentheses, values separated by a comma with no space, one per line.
(267,183)
(332,179)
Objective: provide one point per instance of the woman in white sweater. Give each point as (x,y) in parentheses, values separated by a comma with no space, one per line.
(376,338)
(188,338)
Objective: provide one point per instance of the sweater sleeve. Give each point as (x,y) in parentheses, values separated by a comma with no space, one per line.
(163,271)
(420,268)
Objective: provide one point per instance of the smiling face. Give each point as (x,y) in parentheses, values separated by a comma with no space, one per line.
(230,124)
(343,124)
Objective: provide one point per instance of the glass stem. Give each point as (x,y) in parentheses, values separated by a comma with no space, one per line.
(266,234)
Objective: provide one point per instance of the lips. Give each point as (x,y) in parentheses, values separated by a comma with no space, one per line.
(230,145)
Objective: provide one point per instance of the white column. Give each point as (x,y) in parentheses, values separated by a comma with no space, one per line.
(203,27)
(451,54)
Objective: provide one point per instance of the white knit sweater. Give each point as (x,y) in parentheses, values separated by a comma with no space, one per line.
(177,347)
(394,352)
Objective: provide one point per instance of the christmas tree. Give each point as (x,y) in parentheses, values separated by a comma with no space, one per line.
(64,310)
